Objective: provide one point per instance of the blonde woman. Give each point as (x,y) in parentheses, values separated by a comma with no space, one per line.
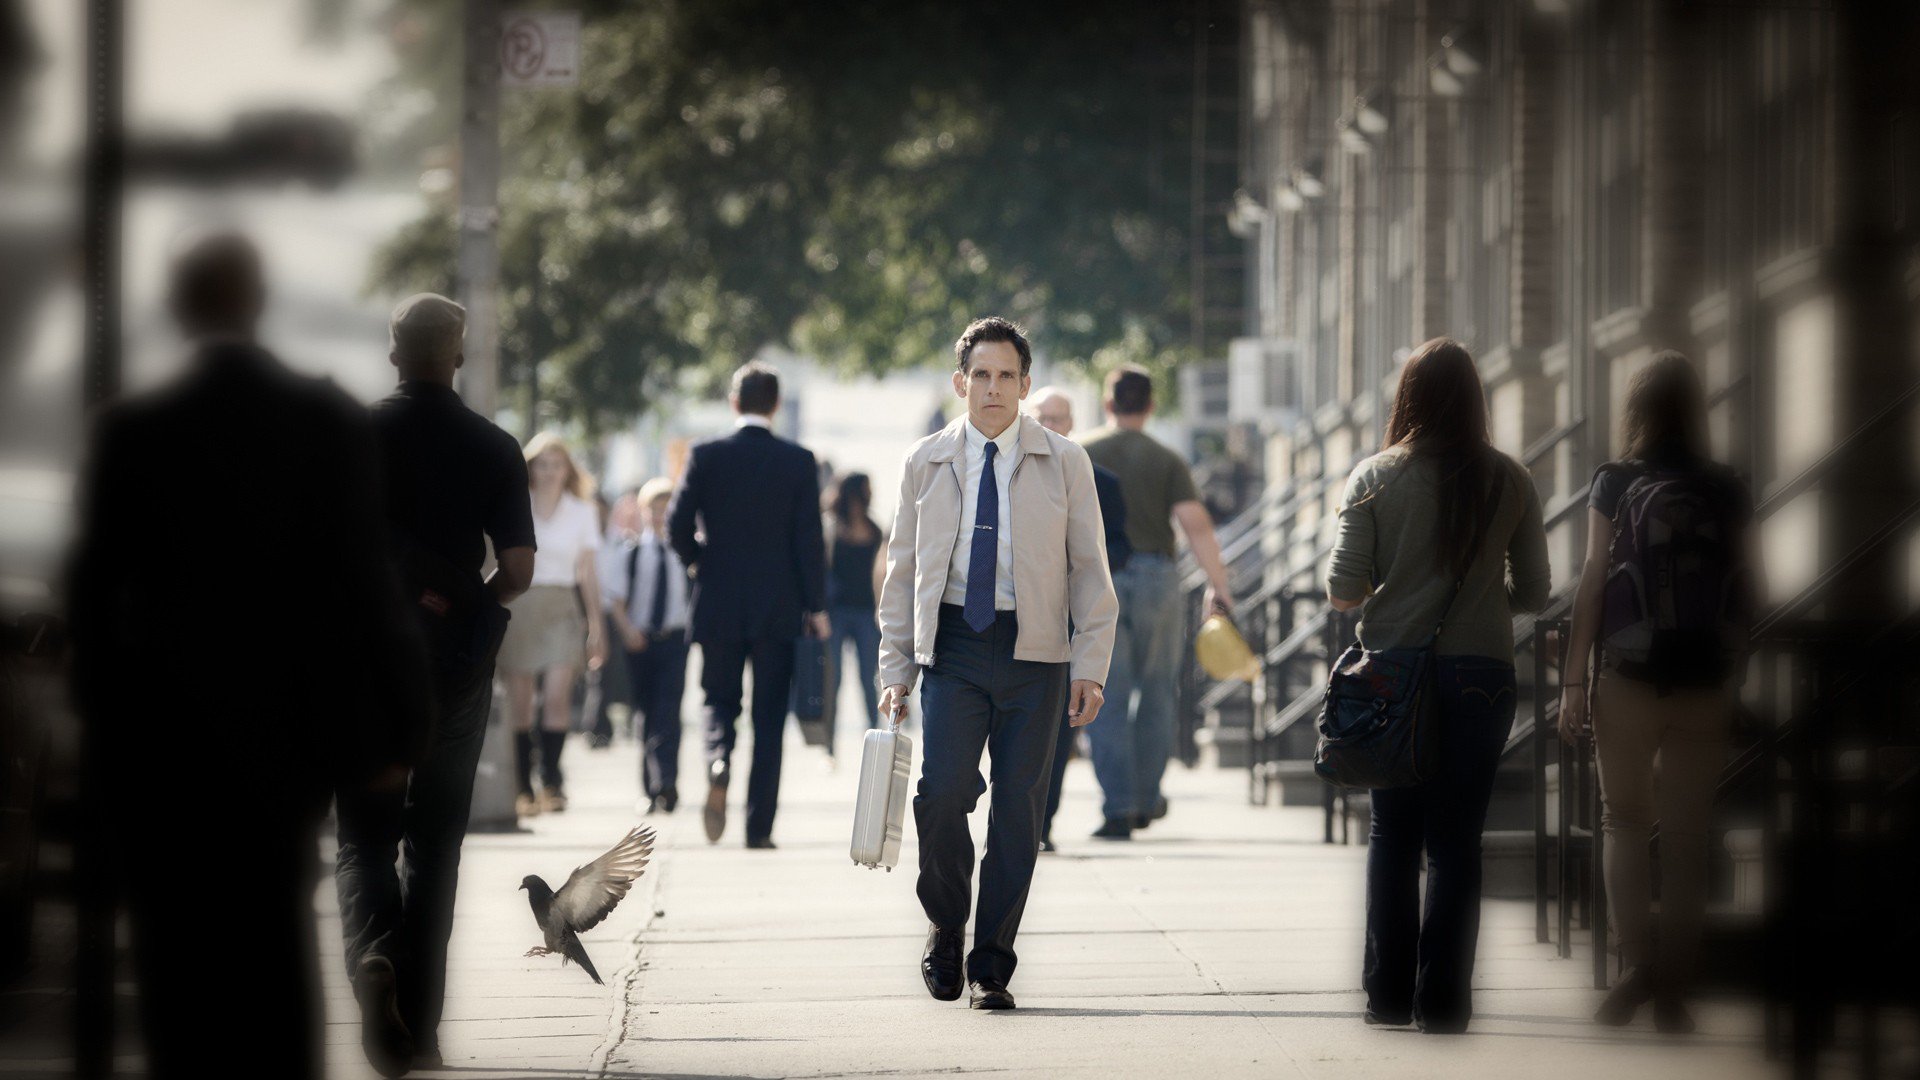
(557,624)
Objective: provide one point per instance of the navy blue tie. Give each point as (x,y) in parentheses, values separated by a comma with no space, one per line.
(986,548)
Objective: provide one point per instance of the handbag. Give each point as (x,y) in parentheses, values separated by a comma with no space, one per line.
(1380,721)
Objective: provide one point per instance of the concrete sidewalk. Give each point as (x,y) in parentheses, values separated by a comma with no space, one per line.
(1223,942)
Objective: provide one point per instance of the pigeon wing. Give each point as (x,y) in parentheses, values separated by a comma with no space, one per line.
(595,889)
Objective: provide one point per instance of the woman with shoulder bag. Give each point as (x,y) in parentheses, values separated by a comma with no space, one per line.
(1672,636)
(1438,530)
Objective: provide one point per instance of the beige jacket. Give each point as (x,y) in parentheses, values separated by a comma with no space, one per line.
(1059,555)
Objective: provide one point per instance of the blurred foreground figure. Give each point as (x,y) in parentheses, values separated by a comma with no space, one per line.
(238,642)
(453,481)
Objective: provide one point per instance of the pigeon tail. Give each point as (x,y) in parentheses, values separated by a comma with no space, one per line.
(578,954)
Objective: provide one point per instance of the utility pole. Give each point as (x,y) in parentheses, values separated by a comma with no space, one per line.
(479,259)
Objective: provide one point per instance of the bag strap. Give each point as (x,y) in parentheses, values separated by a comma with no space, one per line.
(1493,511)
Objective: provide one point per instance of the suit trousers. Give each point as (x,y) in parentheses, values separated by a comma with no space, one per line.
(657,681)
(722,679)
(405,912)
(977,697)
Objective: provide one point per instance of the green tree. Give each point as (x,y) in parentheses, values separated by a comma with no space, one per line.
(854,179)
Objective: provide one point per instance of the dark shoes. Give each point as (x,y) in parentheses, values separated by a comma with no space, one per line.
(940,964)
(1046,846)
(1374,1019)
(714,815)
(1634,989)
(1670,1015)
(1141,821)
(989,995)
(383,1034)
(760,843)
(1115,829)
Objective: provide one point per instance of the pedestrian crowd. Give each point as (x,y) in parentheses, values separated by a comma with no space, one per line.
(1028,587)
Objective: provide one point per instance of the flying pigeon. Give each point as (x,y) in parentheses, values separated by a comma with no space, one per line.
(590,893)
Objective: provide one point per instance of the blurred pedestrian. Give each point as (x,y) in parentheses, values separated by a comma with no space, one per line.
(1051,406)
(853,581)
(646,588)
(557,623)
(233,574)
(998,599)
(453,482)
(1131,750)
(746,522)
(620,526)
(1441,540)
(1667,592)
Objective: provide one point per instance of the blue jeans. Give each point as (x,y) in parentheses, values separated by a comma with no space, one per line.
(859,626)
(1421,967)
(1132,740)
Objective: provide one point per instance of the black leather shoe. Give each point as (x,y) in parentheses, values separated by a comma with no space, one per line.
(669,800)
(760,843)
(1047,848)
(1141,821)
(940,964)
(989,995)
(1159,809)
(1115,829)
(383,1034)
(714,815)
(1634,989)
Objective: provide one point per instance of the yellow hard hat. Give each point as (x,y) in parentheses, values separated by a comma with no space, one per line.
(1222,652)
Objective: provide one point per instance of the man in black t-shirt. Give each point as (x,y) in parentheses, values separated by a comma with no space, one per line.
(453,482)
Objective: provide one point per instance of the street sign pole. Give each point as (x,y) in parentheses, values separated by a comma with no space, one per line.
(479,224)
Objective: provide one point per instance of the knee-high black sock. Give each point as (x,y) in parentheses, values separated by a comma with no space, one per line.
(551,743)
(523,760)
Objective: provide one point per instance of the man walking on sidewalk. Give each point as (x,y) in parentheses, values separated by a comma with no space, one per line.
(453,482)
(646,591)
(1054,410)
(746,523)
(1131,751)
(996,551)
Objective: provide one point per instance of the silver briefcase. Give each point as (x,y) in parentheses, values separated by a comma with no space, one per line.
(880,814)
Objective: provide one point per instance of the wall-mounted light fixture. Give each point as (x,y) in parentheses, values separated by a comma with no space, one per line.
(1352,139)
(1247,215)
(1370,114)
(1444,81)
(1306,179)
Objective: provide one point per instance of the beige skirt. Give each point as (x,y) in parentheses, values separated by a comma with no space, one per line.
(547,628)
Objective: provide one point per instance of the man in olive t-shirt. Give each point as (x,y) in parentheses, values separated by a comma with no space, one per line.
(1131,750)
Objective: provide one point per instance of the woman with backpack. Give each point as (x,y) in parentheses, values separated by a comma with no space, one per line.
(1666,593)
(1441,540)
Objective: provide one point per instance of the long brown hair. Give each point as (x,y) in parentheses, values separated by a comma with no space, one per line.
(1666,409)
(1440,412)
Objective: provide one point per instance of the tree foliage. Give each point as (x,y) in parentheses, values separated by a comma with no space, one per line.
(854,179)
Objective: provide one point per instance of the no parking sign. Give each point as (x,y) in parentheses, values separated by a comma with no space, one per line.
(540,48)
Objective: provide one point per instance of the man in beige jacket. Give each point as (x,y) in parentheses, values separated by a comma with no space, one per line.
(998,595)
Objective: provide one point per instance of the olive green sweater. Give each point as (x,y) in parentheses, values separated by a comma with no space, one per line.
(1389,542)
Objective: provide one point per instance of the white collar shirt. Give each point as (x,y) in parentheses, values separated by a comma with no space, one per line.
(1004,462)
(642,554)
(747,419)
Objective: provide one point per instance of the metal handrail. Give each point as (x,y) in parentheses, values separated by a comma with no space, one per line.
(1786,492)
(1545,443)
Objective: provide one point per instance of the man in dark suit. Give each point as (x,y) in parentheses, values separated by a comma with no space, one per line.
(746,522)
(1054,409)
(240,642)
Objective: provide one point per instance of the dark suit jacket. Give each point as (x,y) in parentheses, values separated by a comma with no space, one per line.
(1113,514)
(746,522)
(236,613)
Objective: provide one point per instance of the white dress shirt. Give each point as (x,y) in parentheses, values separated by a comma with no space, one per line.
(613,580)
(747,419)
(1003,463)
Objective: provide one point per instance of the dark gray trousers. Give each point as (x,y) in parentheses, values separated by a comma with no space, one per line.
(977,697)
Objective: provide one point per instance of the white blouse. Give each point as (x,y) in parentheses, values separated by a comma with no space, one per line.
(559,540)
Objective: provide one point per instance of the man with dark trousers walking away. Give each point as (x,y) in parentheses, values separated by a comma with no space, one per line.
(998,599)
(746,523)
(454,481)
(239,641)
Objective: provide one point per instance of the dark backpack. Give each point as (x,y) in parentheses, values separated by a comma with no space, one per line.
(1678,604)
